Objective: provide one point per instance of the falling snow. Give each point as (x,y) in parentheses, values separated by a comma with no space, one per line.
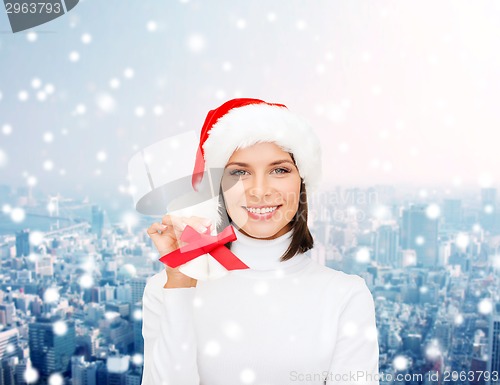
(74,56)
(86,38)
(31,375)
(60,328)
(56,379)
(17,215)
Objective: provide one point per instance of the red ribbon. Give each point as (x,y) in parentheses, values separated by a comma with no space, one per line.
(199,244)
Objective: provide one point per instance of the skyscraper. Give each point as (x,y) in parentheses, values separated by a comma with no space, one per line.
(23,243)
(488,208)
(494,343)
(138,284)
(97,220)
(452,212)
(51,343)
(419,233)
(82,372)
(9,341)
(386,245)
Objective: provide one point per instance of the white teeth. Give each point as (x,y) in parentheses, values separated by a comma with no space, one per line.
(261,211)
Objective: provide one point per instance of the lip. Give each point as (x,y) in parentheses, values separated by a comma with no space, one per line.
(263,216)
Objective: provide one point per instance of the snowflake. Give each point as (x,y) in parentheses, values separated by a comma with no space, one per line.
(105,102)
(158,110)
(128,73)
(60,328)
(51,295)
(36,238)
(56,379)
(30,375)
(363,255)
(212,348)
(23,95)
(7,129)
(196,43)
(462,240)
(31,36)
(271,17)
(139,111)
(74,56)
(151,26)
(101,156)
(433,211)
(17,215)
(48,165)
(485,306)
(114,83)
(36,83)
(247,376)
(86,38)
(3,158)
(86,281)
(400,363)
(261,288)
(137,359)
(48,137)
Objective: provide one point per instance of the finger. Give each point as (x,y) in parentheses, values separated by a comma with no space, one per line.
(198,223)
(156,229)
(175,221)
(179,223)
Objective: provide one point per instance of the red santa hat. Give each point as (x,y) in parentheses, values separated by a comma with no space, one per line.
(240,123)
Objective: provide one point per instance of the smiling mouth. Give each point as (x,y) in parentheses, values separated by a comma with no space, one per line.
(262,210)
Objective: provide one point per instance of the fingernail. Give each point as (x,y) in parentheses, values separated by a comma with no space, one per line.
(163,226)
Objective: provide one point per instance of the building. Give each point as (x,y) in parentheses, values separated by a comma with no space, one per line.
(420,233)
(386,246)
(138,285)
(452,212)
(494,343)
(23,243)
(488,208)
(51,347)
(9,341)
(7,314)
(82,372)
(97,221)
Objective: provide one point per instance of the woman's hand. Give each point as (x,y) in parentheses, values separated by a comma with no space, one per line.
(166,238)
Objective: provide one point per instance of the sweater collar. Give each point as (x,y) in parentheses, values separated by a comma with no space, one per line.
(263,256)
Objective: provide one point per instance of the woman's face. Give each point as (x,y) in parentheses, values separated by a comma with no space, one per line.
(261,188)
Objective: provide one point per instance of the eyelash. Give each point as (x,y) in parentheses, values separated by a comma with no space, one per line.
(237,172)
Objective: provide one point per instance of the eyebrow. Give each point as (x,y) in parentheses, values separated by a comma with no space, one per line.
(270,164)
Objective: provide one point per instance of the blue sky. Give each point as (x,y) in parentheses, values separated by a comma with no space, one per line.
(399,92)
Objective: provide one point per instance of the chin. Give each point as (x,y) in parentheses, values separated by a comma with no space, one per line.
(261,231)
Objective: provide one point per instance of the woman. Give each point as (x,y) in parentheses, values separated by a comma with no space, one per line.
(285,319)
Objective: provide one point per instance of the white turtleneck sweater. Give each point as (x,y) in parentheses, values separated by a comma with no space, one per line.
(292,322)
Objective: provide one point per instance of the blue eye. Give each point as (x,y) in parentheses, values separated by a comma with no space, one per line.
(281,170)
(237,172)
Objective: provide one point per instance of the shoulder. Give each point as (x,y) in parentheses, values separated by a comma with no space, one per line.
(336,278)
(154,284)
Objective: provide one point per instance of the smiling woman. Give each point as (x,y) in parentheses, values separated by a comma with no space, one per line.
(261,188)
(281,303)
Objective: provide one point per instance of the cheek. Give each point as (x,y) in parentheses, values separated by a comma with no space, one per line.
(292,193)
(234,196)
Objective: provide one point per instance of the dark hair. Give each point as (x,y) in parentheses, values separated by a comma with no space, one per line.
(302,239)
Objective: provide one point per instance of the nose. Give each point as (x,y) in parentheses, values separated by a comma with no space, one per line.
(260,188)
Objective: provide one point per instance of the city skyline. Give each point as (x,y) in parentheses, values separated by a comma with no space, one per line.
(390,102)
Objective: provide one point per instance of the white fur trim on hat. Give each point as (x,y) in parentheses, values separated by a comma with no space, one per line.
(245,126)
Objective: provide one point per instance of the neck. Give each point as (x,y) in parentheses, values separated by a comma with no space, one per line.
(263,256)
